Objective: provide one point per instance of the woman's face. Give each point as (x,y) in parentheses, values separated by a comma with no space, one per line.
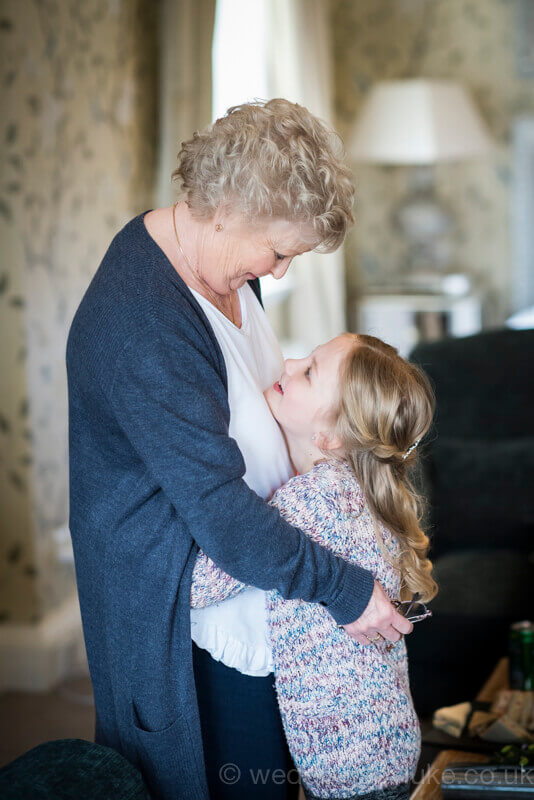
(304,398)
(242,251)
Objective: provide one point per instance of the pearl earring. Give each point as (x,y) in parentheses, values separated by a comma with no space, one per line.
(218,227)
(313,438)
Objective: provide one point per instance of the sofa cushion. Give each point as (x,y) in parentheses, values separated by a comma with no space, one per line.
(484,583)
(483,493)
(484,383)
(71,769)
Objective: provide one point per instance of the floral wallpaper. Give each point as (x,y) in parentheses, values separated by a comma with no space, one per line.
(470,41)
(78,98)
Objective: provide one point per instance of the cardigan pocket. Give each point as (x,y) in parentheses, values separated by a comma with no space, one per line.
(168,761)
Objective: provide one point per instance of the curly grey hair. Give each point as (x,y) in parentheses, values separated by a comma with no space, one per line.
(270,159)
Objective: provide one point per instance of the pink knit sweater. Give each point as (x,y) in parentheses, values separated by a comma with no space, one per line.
(347,710)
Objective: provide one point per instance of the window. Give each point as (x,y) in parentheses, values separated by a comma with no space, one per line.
(240,74)
(239,54)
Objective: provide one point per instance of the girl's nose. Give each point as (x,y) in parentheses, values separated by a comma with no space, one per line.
(291,365)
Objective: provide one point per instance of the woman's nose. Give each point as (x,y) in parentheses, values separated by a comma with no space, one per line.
(280,270)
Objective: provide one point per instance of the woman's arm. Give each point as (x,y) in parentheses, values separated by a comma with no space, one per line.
(307,501)
(210,584)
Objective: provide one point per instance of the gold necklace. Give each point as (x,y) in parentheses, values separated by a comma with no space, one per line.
(195,273)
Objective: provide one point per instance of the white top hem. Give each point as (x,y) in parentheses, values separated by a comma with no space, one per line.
(255,661)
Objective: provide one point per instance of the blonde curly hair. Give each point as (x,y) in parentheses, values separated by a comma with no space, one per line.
(386,405)
(270,159)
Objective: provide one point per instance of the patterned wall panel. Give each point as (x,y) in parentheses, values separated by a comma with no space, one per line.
(78,84)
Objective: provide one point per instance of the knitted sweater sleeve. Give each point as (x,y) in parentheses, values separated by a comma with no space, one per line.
(210,584)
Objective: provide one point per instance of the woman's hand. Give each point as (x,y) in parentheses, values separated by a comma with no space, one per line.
(380,617)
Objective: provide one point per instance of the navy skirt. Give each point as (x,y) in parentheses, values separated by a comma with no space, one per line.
(245,749)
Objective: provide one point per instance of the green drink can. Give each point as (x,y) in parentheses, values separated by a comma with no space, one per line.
(521,651)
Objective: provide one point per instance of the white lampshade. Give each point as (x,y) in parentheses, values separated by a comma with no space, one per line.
(418,122)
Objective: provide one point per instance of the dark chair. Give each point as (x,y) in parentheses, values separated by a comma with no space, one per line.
(478,474)
(71,769)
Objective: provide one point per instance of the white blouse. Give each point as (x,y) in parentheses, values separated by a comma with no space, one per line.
(235,631)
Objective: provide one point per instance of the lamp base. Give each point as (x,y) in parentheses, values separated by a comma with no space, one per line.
(425,224)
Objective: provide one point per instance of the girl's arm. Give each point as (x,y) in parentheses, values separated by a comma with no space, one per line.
(210,584)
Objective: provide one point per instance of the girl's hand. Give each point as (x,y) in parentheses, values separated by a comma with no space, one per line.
(380,617)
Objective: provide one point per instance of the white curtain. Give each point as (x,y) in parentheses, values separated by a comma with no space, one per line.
(185,39)
(299,69)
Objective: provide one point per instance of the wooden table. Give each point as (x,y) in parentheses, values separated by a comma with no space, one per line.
(496,681)
(429,787)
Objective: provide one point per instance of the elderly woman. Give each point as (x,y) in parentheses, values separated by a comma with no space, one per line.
(172,448)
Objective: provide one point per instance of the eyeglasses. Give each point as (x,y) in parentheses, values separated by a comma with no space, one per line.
(411,610)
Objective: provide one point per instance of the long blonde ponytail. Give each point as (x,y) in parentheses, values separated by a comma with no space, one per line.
(386,406)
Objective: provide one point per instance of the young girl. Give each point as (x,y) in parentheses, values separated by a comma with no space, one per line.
(352,413)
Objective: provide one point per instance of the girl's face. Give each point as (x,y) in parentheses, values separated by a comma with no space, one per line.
(303,399)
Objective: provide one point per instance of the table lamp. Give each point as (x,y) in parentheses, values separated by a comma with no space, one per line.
(420,123)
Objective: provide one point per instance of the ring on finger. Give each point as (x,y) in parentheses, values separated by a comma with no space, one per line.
(375,638)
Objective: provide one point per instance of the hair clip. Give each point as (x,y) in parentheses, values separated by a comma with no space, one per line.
(410,449)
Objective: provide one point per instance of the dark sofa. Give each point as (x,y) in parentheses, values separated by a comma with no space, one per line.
(478,475)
